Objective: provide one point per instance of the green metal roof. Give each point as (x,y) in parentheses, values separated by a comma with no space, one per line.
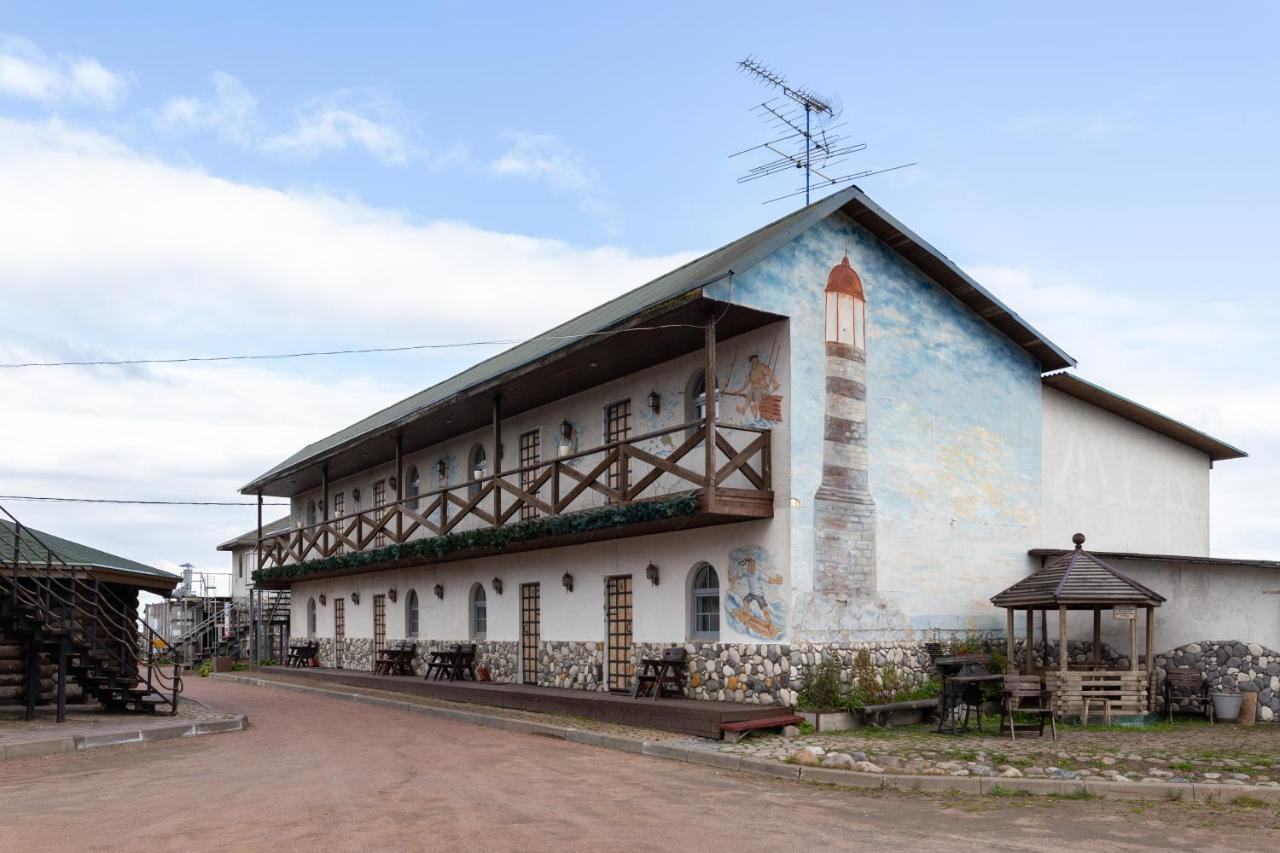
(735,257)
(250,537)
(71,553)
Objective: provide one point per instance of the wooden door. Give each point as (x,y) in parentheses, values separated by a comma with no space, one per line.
(618,629)
(339,630)
(530,631)
(379,624)
(617,427)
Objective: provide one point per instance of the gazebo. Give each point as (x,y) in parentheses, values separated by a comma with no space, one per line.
(1082,581)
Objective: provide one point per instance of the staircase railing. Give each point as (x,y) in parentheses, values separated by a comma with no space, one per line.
(76,603)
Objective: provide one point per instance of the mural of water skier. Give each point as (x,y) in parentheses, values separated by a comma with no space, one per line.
(754,604)
(758,389)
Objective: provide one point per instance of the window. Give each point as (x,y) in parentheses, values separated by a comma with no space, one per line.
(240,565)
(311,617)
(413,487)
(705,594)
(411,614)
(379,501)
(617,426)
(695,398)
(311,514)
(339,507)
(477,466)
(530,456)
(479,613)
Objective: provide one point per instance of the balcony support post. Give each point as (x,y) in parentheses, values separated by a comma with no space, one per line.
(324,505)
(399,487)
(712,395)
(497,458)
(259,548)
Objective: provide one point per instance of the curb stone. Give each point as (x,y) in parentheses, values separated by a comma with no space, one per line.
(978,785)
(79,743)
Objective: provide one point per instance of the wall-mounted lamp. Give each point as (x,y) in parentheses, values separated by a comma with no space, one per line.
(323,601)
(391,482)
(439,591)
(655,401)
(355,495)
(566,438)
(391,594)
(651,572)
(497,585)
(567,582)
(355,598)
(442,468)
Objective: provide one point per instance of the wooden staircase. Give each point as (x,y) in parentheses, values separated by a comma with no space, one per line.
(72,628)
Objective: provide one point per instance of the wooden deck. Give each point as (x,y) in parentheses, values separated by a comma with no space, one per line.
(685,716)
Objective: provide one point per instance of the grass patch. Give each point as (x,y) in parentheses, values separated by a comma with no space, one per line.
(998,791)
(1075,795)
(1181,765)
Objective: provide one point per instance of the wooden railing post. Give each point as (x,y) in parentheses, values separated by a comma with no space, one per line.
(399,487)
(324,508)
(497,458)
(711,387)
(259,549)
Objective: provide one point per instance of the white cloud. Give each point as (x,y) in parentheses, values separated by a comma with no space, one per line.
(1205,361)
(545,158)
(28,73)
(328,129)
(112,253)
(231,112)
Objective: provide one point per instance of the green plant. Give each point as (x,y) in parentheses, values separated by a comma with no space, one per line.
(205,669)
(267,662)
(492,538)
(823,689)
(240,666)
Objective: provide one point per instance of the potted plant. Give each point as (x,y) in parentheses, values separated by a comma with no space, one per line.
(823,699)
(1226,704)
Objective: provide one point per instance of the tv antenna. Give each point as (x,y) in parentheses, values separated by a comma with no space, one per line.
(809,141)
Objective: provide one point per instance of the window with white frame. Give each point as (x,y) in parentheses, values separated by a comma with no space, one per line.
(479,613)
(311,617)
(705,603)
(411,614)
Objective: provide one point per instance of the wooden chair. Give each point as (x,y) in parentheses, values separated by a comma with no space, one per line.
(1025,694)
(664,676)
(1194,686)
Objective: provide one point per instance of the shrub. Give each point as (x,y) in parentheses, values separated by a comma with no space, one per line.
(823,688)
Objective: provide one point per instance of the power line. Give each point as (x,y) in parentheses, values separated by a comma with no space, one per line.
(141,502)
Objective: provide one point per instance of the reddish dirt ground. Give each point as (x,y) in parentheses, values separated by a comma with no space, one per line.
(314,773)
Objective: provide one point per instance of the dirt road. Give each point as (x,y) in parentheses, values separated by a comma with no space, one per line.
(314,774)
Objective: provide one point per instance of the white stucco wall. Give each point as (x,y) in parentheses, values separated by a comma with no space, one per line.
(1122,485)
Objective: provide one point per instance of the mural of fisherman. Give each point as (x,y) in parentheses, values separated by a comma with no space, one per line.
(754,600)
(759,389)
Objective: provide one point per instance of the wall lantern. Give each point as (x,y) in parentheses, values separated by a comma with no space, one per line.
(439,591)
(355,495)
(391,482)
(391,594)
(323,601)
(355,598)
(442,468)
(567,581)
(655,401)
(651,572)
(497,585)
(566,438)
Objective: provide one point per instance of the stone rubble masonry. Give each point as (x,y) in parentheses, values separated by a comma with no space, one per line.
(1231,665)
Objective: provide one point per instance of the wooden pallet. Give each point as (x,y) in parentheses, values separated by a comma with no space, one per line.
(1126,690)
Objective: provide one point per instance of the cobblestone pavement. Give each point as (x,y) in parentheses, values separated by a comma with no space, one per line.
(318,773)
(1187,750)
(92,720)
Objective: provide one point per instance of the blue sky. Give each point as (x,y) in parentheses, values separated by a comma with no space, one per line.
(237,174)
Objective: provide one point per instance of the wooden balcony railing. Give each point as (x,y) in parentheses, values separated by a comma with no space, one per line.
(654,465)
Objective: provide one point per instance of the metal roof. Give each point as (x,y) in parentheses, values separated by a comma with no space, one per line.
(1076,579)
(1223,562)
(250,538)
(735,257)
(74,554)
(1082,389)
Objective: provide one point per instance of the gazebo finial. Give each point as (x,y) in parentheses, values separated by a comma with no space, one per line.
(1079,540)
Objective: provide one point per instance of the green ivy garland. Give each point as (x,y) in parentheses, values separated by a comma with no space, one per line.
(492,538)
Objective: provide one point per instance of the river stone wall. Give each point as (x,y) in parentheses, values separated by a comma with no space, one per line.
(500,658)
(1079,651)
(1231,665)
(575,665)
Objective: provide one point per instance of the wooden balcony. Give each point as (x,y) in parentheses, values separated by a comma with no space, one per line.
(731,481)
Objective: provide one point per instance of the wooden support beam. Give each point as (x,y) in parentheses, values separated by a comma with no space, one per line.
(1062,639)
(1133,643)
(259,529)
(1029,663)
(497,456)
(399,487)
(1097,634)
(710,386)
(324,504)
(1008,639)
(64,647)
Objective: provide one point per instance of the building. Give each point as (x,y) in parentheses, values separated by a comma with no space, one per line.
(884,446)
(70,628)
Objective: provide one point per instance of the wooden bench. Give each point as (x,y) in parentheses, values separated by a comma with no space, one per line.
(1026,694)
(1194,687)
(454,663)
(734,732)
(662,676)
(303,655)
(881,716)
(396,659)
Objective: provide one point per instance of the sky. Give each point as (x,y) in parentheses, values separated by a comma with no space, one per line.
(255,178)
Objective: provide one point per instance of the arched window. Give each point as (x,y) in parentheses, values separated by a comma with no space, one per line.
(311,617)
(705,603)
(479,613)
(411,614)
(413,487)
(477,469)
(311,514)
(695,398)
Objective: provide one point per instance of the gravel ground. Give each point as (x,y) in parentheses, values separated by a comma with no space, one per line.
(315,773)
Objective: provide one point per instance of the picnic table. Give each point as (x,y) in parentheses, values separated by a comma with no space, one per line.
(455,663)
(303,655)
(396,659)
(662,676)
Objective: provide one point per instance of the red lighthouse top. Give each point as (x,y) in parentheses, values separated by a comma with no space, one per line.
(844,280)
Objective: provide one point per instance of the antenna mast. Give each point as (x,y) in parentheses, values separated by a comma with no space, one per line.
(819,146)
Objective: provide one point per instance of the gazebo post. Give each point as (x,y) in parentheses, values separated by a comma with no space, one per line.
(1133,643)
(1151,657)
(1008,641)
(1030,661)
(1097,635)
(1062,638)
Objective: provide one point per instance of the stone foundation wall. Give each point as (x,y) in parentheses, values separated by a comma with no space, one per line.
(1079,651)
(575,665)
(1231,665)
(500,658)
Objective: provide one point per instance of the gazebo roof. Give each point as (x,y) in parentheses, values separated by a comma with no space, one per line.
(1076,580)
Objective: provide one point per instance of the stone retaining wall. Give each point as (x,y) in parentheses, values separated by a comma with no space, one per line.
(575,665)
(1231,665)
